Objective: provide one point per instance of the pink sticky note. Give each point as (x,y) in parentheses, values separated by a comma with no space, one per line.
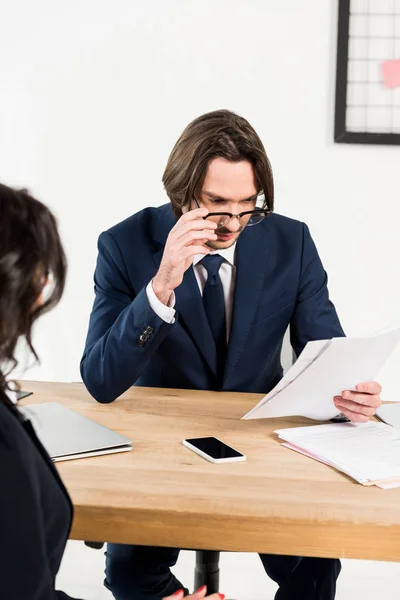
(391,73)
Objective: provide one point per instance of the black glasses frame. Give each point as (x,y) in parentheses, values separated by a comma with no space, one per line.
(257,211)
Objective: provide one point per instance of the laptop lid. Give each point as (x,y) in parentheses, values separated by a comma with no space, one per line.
(66,434)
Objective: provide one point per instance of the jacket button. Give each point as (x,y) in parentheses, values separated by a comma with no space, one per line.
(144,336)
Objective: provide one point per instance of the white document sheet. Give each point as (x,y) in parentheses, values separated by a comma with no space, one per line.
(367,452)
(323,370)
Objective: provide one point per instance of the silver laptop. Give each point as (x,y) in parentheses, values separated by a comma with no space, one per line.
(67,435)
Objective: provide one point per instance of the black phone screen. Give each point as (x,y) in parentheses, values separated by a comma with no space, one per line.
(214,447)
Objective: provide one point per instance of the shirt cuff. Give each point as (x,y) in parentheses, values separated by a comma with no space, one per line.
(166,313)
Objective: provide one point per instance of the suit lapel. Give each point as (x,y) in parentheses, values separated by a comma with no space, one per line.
(253,263)
(189,303)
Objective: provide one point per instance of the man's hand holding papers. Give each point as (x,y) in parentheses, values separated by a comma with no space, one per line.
(361,405)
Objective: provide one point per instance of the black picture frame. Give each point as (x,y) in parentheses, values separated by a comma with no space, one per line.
(341,135)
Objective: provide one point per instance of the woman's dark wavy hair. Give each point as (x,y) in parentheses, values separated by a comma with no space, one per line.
(30,253)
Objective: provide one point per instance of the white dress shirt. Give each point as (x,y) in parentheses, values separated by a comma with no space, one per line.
(227,273)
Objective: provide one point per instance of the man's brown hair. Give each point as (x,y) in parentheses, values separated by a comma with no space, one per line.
(220,133)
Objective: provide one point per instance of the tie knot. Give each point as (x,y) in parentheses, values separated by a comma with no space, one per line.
(212,263)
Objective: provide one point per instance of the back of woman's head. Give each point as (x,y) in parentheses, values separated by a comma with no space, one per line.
(31,254)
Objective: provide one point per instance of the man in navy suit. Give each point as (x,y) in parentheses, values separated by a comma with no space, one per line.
(198,294)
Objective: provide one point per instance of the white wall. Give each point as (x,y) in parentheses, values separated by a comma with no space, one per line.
(95,93)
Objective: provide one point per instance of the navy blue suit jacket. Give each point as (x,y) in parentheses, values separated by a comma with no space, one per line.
(280,281)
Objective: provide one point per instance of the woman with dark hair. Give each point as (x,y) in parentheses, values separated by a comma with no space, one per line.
(35,509)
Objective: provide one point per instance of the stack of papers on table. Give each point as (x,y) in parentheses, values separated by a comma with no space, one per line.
(367,452)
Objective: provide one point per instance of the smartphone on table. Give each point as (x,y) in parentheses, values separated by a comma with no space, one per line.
(214,450)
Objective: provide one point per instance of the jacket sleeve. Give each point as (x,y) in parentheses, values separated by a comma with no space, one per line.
(315,316)
(124,331)
(24,566)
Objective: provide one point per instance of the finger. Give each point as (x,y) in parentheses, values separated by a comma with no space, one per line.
(354,407)
(192,225)
(176,596)
(355,417)
(195,596)
(192,215)
(194,236)
(190,251)
(201,593)
(370,387)
(366,399)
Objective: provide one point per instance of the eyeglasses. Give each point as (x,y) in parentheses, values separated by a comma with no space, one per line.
(248,218)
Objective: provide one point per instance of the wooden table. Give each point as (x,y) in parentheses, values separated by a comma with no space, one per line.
(163,494)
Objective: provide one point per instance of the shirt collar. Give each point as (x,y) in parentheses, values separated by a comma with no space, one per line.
(227,253)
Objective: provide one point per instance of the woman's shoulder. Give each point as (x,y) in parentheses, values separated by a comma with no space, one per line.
(8,420)
(13,438)
(20,466)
